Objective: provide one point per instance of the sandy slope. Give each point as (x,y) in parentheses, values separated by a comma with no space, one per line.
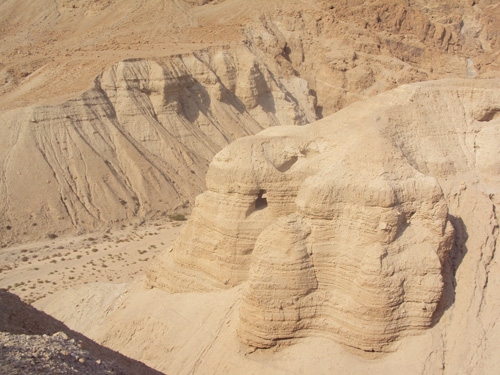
(142,94)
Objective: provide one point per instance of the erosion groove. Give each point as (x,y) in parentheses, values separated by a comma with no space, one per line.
(332,167)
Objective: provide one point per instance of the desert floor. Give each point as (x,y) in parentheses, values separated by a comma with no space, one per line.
(38,269)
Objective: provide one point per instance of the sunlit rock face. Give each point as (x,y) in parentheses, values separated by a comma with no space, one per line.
(341,227)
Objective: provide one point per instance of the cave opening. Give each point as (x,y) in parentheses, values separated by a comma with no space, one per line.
(261,201)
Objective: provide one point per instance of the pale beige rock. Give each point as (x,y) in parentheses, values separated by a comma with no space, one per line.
(229,69)
(363,199)
(343,51)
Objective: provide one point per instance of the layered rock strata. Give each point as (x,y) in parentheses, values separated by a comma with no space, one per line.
(341,228)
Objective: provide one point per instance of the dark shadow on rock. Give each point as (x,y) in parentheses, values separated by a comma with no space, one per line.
(318,108)
(266,101)
(17,317)
(231,99)
(450,267)
(195,99)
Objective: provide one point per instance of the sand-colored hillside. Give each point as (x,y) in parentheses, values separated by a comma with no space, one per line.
(364,241)
(46,44)
(136,145)
(112,110)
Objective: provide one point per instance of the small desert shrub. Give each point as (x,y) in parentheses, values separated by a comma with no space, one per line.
(52,236)
(177,217)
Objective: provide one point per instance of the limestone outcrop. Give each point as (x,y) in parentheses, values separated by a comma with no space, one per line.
(139,142)
(342,228)
(351,50)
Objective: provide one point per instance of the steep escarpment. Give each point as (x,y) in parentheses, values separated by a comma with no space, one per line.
(137,144)
(346,50)
(374,230)
(180,80)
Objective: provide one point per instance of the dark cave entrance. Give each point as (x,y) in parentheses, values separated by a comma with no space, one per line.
(261,201)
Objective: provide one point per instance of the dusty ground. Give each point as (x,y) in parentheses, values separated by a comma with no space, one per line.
(35,270)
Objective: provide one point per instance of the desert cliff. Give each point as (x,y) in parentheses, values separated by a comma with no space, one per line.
(137,145)
(337,163)
(175,82)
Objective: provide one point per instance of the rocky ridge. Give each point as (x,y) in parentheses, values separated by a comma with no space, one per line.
(182,79)
(408,181)
(341,228)
(352,50)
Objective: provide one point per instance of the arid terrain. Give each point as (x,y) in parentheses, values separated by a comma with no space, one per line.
(337,163)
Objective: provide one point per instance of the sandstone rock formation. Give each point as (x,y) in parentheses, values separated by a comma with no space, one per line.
(374,229)
(340,227)
(350,50)
(138,144)
(364,228)
(346,50)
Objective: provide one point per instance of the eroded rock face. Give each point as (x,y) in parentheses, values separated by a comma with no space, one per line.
(138,144)
(350,50)
(339,228)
